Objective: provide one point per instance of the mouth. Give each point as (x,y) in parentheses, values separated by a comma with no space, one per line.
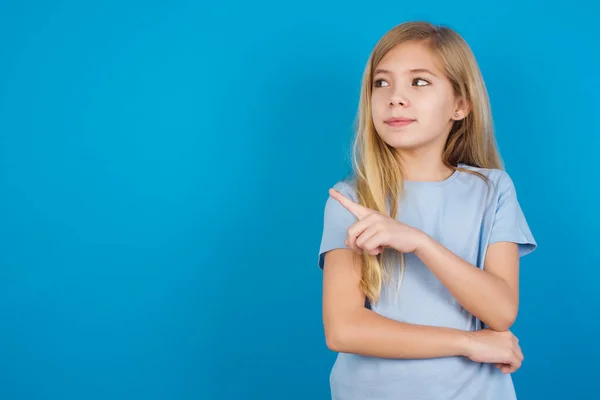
(399,121)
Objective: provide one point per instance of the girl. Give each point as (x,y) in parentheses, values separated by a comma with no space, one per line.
(420,247)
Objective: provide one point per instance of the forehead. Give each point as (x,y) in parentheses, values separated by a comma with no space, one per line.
(411,55)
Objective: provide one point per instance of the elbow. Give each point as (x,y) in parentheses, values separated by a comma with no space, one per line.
(335,340)
(343,332)
(339,335)
(503,320)
(500,326)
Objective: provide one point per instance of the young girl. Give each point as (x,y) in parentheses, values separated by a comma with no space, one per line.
(420,247)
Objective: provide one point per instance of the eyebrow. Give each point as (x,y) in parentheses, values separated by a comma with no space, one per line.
(414,70)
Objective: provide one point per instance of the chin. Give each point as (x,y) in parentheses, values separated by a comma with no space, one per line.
(403,142)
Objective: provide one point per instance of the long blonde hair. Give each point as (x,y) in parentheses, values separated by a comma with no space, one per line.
(376,166)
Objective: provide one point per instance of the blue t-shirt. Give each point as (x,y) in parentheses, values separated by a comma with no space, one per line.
(466,215)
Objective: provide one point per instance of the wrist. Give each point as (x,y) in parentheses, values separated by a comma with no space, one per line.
(423,243)
(465,343)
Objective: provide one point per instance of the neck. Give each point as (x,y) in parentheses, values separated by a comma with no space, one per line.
(424,166)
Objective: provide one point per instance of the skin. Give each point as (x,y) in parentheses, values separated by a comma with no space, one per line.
(490,294)
(412,84)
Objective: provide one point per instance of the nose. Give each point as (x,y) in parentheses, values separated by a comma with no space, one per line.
(399,98)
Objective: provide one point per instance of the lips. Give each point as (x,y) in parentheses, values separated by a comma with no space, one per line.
(399,121)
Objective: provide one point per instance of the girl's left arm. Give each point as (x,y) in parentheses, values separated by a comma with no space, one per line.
(490,294)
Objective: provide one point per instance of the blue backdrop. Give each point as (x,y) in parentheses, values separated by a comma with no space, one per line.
(164,168)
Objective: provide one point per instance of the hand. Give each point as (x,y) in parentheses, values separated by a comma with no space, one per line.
(500,348)
(374,231)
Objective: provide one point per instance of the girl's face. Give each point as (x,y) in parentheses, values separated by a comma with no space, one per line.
(409,84)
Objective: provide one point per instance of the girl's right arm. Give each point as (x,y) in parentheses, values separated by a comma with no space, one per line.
(352,328)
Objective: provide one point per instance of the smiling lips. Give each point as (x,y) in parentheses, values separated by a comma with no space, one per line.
(399,121)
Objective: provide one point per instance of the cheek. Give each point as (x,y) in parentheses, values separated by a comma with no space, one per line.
(435,107)
(378,107)
(377,101)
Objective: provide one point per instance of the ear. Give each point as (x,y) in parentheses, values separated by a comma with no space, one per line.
(462,109)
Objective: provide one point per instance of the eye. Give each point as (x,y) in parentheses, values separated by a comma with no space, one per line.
(377,82)
(420,82)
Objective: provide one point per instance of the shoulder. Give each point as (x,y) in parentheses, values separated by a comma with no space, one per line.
(337,219)
(498,179)
(347,187)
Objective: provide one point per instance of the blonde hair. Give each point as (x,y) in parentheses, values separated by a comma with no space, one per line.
(471,141)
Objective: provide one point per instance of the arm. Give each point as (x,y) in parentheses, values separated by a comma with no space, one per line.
(491,294)
(352,328)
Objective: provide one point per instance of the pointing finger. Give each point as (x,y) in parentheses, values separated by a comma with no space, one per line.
(357,210)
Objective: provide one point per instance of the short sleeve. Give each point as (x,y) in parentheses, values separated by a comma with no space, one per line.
(509,223)
(336,221)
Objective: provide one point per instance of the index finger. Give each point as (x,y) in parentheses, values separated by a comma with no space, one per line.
(357,210)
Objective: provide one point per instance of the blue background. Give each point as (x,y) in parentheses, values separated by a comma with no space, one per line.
(164,168)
